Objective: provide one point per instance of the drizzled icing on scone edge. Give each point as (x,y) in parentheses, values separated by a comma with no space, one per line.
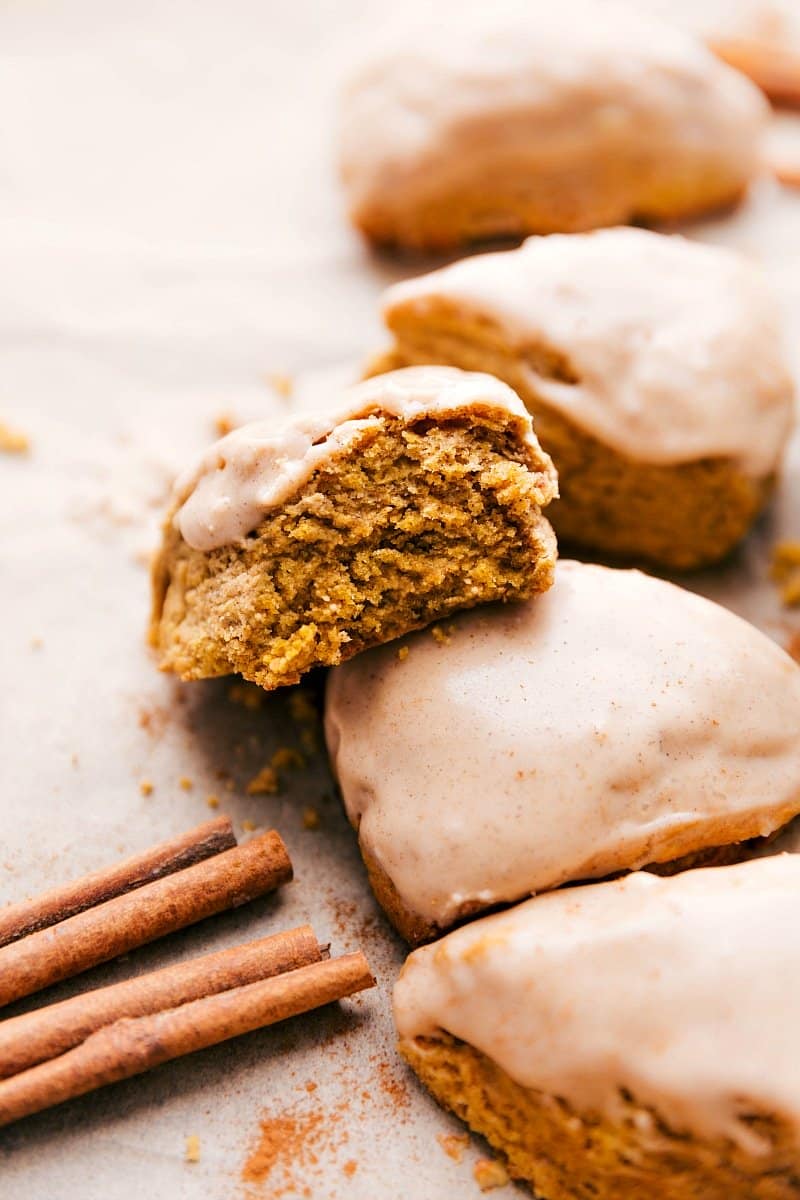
(256,468)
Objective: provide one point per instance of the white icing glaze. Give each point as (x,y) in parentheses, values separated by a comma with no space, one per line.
(682,990)
(676,346)
(555,85)
(258,467)
(560,739)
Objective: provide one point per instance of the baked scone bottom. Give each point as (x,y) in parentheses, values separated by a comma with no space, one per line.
(567,1155)
(680,516)
(411,522)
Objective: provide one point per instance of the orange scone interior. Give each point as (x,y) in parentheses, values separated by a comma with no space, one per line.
(298,545)
(616,722)
(654,368)
(631,1040)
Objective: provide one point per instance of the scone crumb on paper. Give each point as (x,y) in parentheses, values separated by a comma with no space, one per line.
(489,1174)
(13,441)
(454,1144)
(442,634)
(212,801)
(249,695)
(310,818)
(185,783)
(286,756)
(224,423)
(248,826)
(265,783)
(786,571)
(302,708)
(146,787)
(192,1154)
(402,653)
(282,383)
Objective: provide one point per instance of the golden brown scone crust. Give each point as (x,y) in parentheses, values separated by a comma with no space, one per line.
(521,198)
(566,1155)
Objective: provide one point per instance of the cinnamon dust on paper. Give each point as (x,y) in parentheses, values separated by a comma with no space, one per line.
(290,1148)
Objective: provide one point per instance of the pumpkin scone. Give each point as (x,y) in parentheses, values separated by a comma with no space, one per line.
(298,544)
(632,1040)
(483,120)
(654,368)
(616,722)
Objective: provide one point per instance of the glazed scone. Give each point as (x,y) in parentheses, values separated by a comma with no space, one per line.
(298,544)
(654,368)
(615,722)
(480,121)
(632,1040)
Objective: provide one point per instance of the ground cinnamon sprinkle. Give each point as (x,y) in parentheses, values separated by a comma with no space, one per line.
(289,1150)
(394,1087)
(283,1142)
(350,1168)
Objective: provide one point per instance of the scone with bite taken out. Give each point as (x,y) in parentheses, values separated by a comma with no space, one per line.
(632,1040)
(616,722)
(478,121)
(297,544)
(654,368)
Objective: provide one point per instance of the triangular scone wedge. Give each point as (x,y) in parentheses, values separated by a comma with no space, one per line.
(473,121)
(297,545)
(632,1040)
(653,367)
(616,722)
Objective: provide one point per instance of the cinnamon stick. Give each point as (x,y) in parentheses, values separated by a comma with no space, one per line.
(152,911)
(47,1032)
(60,903)
(137,1044)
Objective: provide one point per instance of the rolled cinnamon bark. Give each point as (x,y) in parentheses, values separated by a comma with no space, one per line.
(60,903)
(134,1045)
(152,911)
(47,1032)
